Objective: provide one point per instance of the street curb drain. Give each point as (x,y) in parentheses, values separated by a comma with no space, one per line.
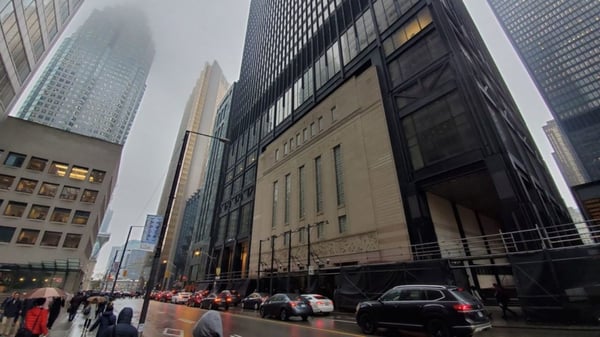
(173,332)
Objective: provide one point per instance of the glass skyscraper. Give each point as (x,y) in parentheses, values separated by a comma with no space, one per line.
(29,30)
(94,83)
(558,41)
(361,129)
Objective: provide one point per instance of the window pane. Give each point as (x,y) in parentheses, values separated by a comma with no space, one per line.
(59,169)
(97,176)
(6,181)
(37,164)
(6,233)
(14,159)
(78,173)
(61,215)
(342,223)
(38,212)
(15,209)
(89,196)
(26,185)
(69,193)
(81,217)
(51,239)
(72,240)
(319,187)
(48,189)
(28,236)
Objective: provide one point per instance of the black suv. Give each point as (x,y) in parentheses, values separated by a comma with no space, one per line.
(441,311)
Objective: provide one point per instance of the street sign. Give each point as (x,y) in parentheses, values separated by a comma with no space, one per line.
(218,271)
(311,270)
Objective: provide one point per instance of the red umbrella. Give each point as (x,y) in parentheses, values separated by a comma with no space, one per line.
(45,292)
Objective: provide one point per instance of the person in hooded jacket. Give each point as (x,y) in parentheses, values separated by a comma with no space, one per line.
(209,325)
(123,328)
(106,319)
(36,319)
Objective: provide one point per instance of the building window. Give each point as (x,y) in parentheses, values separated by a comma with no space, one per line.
(276,154)
(14,159)
(48,189)
(313,129)
(69,193)
(60,215)
(339,175)
(301,180)
(6,181)
(304,135)
(320,230)
(274,213)
(15,209)
(78,173)
(58,169)
(51,239)
(28,236)
(286,238)
(97,176)
(298,140)
(37,164)
(38,212)
(6,233)
(81,218)
(301,235)
(319,185)
(320,123)
(288,197)
(89,196)
(72,240)
(26,185)
(286,148)
(342,224)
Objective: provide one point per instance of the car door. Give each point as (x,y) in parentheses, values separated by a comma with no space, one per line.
(387,313)
(272,304)
(408,308)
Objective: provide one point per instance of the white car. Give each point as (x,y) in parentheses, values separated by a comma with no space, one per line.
(181,298)
(319,303)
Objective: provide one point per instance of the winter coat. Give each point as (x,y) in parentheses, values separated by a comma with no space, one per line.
(123,327)
(12,307)
(209,325)
(103,322)
(36,320)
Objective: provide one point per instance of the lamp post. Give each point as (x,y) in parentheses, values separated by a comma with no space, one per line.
(197,253)
(161,237)
(272,261)
(308,255)
(259,262)
(121,261)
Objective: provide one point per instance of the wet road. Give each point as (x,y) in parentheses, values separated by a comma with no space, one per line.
(170,320)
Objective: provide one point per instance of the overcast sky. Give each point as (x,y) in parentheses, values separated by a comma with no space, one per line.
(188,33)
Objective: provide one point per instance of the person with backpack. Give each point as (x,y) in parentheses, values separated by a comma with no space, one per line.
(123,328)
(36,320)
(503,299)
(106,319)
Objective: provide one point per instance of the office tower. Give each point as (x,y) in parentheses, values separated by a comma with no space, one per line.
(563,154)
(52,202)
(362,131)
(198,117)
(29,30)
(558,42)
(94,83)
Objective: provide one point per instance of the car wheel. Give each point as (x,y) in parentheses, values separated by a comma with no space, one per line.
(437,328)
(262,312)
(283,315)
(255,306)
(304,318)
(367,324)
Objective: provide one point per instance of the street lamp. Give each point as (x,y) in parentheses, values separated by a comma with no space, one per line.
(259,261)
(121,261)
(309,270)
(161,237)
(197,253)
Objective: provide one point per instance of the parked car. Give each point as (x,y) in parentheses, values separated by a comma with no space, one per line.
(166,296)
(215,301)
(254,300)
(319,303)
(195,299)
(441,311)
(181,297)
(153,294)
(285,305)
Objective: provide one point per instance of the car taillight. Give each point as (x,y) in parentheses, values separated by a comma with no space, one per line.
(228,299)
(292,304)
(462,307)
(217,300)
(320,303)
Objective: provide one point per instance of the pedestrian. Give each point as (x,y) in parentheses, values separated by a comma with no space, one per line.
(106,319)
(123,328)
(209,325)
(12,307)
(100,307)
(502,299)
(54,310)
(74,305)
(87,318)
(36,320)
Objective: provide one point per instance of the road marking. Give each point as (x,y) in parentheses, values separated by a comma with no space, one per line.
(235,335)
(173,332)
(343,321)
(188,321)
